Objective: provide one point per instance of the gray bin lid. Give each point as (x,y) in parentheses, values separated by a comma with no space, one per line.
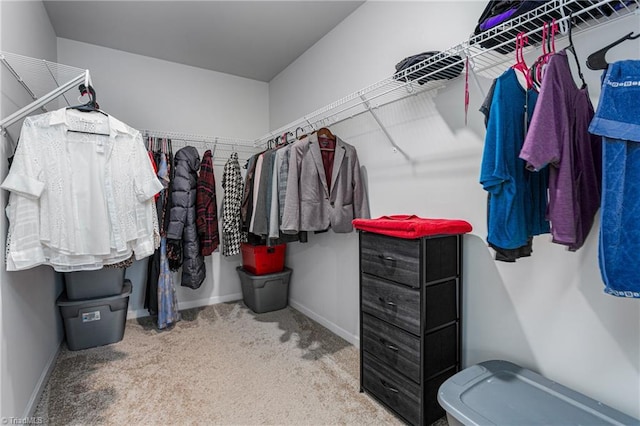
(63,300)
(502,393)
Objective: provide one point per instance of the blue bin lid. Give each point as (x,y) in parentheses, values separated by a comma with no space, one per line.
(502,393)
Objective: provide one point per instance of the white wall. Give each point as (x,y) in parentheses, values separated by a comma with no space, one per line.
(153,94)
(30,327)
(547,312)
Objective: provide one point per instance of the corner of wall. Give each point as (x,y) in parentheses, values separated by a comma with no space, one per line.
(30,327)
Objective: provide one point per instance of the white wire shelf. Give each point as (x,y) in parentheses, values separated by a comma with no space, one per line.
(486,61)
(43,81)
(221,147)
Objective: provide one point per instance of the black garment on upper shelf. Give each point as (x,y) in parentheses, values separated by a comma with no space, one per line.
(497,7)
(446,67)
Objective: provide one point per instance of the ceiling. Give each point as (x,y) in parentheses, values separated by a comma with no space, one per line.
(253,39)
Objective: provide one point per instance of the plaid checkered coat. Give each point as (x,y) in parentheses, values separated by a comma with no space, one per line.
(206,207)
(232,185)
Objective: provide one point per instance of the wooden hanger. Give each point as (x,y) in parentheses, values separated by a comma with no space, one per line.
(325,134)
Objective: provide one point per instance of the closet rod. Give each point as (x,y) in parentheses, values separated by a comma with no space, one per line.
(313,123)
(220,147)
(212,140)
(486,59)
(20,80)
(220,151)
(55,80)
(23,112)
(39,76)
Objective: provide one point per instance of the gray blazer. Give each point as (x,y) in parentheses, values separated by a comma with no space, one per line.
(310,205)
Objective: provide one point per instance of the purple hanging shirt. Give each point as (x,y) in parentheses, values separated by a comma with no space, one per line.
(558,136)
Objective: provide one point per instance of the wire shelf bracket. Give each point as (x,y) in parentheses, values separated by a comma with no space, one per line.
(436,71)
(367,104)
(37,77)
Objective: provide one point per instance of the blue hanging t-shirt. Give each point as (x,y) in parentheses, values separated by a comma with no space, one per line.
(518,197)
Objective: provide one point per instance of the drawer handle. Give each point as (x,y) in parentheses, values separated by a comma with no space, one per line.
(388,345)
(388,303)
(389,388)
(388,258)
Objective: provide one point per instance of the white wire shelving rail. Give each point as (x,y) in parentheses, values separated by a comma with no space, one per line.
(221,147)
(45,81)
(438,70)
(42,80)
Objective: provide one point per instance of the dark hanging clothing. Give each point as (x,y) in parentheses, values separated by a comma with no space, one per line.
(160,289)
(182,217)
(206,205)
(246,207)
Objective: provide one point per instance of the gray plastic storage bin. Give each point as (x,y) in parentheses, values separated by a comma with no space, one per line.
(93,284)
(265,293)
(503,393)
(94,322)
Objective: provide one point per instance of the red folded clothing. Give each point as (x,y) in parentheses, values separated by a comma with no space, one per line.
(412,226)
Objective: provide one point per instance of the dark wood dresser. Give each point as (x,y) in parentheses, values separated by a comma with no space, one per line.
(410,335)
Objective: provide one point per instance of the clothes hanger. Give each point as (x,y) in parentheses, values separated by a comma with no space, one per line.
(302,135)
(325,133)
(91,106)
(520,65)
(284,139)
(326,139)
(571,48)
(550,43)
(536,69)
(597,60)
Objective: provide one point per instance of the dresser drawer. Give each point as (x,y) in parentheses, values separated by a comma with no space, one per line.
(441,350)
(395,259)
(399,393)
(396,348)
(441,303)
(396,304)
(441,258)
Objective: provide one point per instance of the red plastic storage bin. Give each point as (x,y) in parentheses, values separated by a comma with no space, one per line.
(261,260)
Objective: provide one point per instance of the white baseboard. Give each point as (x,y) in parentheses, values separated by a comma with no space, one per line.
(139,313)
(40,385)
(351,338)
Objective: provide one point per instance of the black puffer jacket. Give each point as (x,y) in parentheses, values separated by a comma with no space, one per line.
(182,217)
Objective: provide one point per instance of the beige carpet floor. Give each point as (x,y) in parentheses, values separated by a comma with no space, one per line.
(221,364)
